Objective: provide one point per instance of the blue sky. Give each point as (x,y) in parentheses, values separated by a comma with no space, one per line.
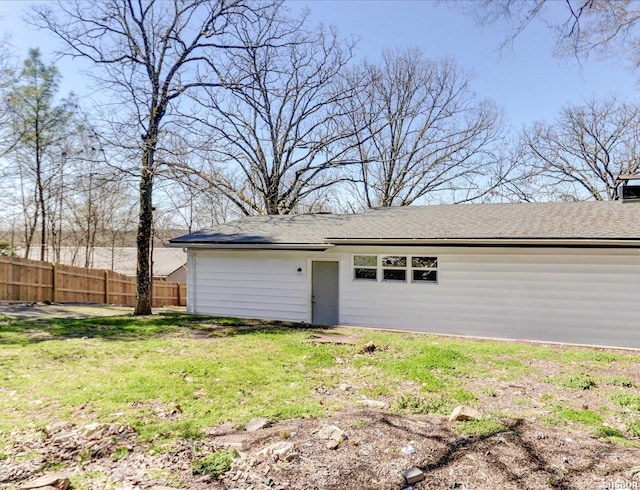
(525,79)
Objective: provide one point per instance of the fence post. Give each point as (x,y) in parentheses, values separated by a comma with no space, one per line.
(106,287)
(54,283)
(178,287)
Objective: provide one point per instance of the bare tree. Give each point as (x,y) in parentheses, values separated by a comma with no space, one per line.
(39,128)
(582,154)
(276,136)
(580,27)
(150,54)
(424,131)
(195,204)
(8,78)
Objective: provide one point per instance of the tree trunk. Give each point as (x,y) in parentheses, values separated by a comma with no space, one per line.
(41,203)
(143,239)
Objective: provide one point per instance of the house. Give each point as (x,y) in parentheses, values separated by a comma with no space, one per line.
(565,272)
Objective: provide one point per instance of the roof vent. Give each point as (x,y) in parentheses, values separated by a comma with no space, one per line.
(630,192)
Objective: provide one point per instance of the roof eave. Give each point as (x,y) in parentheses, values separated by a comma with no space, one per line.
(493,242)
(251,246)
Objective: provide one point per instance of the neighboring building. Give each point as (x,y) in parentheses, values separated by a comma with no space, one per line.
(566,272)
(168,263)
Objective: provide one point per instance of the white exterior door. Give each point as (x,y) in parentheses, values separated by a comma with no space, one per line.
(324,293)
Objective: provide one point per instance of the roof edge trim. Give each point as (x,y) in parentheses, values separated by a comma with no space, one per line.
(471,242)
(252,246)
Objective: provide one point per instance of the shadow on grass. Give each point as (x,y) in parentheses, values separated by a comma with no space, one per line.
(136,328)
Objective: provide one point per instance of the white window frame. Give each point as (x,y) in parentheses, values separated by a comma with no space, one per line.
(429,269)
(380,268)
(384,267)
(370,267)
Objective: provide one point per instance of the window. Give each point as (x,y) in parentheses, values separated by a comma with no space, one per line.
(395,268)
(424,269)
(365,267)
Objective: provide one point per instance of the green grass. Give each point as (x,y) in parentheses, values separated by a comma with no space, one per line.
(214,464)
(137,371)
(481,428)
(627,400)
(605,431)
(579,381)
(172,375)
(633,428)
(622,381)
(410,403)
(586,417)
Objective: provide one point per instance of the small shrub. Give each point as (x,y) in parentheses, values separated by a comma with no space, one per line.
(621,381)
(214,464)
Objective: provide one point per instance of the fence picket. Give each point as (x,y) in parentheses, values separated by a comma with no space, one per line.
(31,280)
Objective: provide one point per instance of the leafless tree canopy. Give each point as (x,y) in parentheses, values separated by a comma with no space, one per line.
(37,129)
(582,154)
(425,131)
(579,26)
(276,134)
(149,53)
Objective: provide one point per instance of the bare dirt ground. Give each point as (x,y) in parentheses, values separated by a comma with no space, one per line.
(377,448)
(373,456)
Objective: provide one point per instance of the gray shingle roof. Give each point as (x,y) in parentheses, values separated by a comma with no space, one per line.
(521,221)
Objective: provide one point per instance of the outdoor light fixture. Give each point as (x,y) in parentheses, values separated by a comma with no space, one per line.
(299,271)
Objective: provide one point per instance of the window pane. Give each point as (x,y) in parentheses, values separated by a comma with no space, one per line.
(422,262)
(365,260)
(425,276)
(394,261)
(394,275)
(370,274)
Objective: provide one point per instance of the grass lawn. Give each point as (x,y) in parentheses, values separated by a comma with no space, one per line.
(172,376)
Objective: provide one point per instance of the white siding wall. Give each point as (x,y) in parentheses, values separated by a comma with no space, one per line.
(251,284)
(573,296)
(191,283)
(578,296)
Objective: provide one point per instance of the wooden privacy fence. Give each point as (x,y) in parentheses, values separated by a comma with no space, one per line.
(30,280)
